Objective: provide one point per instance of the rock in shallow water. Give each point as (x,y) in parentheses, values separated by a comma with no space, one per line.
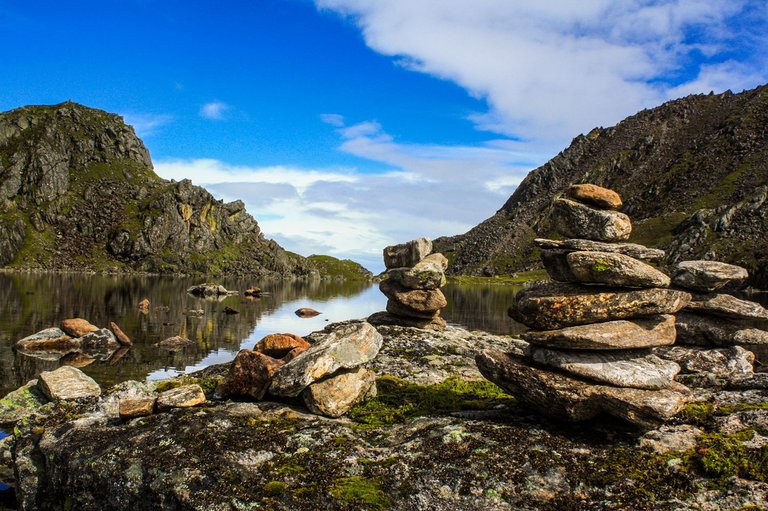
(77,327)
(614,270)
(347,346)
(553,305)
(611,335)
(50,339)
(67,383)
(334,396)
(636,368)
(557,395)
(576,220)
(706,276)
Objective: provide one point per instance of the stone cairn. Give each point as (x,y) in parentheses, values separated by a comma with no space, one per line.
(412,285)
(594,328)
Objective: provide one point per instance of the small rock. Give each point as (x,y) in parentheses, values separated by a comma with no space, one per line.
(253,291)
(706,276)
(230,311)
(407,254)
(417,299)
(631,368)
(334,396)
(279,345)
(67,383)
(611,335)
(631,249)
(671,438)
(138,407)
(575,220)
(77,327)
(306,312)
(207,290)
(120,335)
(175,343)
(101,340)
(727,306)
(614,270)
(76,359)
(595,196)
(250,375)
(195,313)
(181,397)
(144,306)
(50,339)
(347,346)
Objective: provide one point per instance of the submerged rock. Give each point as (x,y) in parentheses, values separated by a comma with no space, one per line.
(307,312)
(575,220)
(175,343)
(334,396)
(706,276)
(76,359)
(67,383)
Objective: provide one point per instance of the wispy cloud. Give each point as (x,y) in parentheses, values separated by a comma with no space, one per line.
(215,110)
(332,119)
(147,124)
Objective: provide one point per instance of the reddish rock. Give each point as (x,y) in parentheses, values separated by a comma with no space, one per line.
(77,327)
(121,337)
(250,374)
(594,195)
(306,312)
(144,306)
(138,407)
(279,345)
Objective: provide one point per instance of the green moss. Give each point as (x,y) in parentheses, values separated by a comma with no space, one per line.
(341,269)
(656,232)
(516,279)
(275,488)
(720,194)
(360,493)
(399,400)
(698,412)
(723,456)
(601,265)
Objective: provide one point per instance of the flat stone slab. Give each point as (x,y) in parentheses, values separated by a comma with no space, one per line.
(386,318)
(634,368)
(594,195)
(50,339)
(398,309)
(407,254)
(185,396)
(334,396)
(553,305)
(733,363)
(614,269)
(575,220)
(137,407)
(611,335)
(67,383)
(565,397)
(703,330)
(727,306)
(426,274)
(706,276)
(348,346)
(575,244)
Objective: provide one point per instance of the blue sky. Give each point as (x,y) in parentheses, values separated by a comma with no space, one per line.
(347,125)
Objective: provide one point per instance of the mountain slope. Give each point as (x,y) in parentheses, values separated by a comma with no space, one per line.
(693,174)
(78,192)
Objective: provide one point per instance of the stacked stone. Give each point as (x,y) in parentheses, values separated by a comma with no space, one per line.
(594,328)
(412,285)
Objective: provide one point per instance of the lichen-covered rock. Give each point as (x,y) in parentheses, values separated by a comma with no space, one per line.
(407,254)
(428,273)
(250,375)
(552,305)
(671,438)
(576,220)
(334,396)
(67,383)
(346,346)
(594,195)
(705,330)
(423,300)
(137,407)
(21,402)
(50,339)
(610,335)
(575,244)
(185,396)
(434,323)
(279,345)
(706,276)
(77,327)
(100,341)
(634,368)
(727,306)
(614,269)
(734,363)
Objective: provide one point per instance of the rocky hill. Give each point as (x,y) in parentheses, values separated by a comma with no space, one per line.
(693,174)
(78,192)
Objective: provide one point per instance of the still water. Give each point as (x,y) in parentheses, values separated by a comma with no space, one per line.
(32,302)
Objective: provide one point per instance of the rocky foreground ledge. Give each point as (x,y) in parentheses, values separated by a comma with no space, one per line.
(437,437)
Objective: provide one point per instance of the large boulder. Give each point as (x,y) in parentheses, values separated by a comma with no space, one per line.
(250,375)
(706,276)
(637,369)
(334,396)
(347,345)
(614,270)
(594,195)
(101,341)
(421,300)
(50,339)
(611,335)
(426,274)
(279,345)
(553,305)
(67,383)
(557,395)
(575,220)
(727,306)
(705,330)
(407,254)
(575,244)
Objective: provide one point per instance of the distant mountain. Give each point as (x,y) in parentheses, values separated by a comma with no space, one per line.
(78,192)
(693,174)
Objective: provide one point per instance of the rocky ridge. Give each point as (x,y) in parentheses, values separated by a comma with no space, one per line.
(692,173)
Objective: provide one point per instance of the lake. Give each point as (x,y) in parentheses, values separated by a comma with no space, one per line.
(30,302)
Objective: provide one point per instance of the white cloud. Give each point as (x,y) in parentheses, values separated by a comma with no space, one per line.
(332,119)
(215,110)
(554,68)
(146,124)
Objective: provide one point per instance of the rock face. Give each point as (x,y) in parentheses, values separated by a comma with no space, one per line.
(714,140)
(706,276)
(59,161)
(67,383)
(576,220)
(555,305)
(611,335)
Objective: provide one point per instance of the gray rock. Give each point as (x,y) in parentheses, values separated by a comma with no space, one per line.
(627,368)
(345,347)
(407,254)
(734,363)
(50,339)
(185,396)
(706,276)
(436,323)
(67,383)
(727,306)
(704,330)
(422,300)
(557,395)
(576,220)
(671,438)
(611,335)
(552,305)
(556,263)
(6,460)
(615,270)
(208,290)
(398,309)
(631,249)
(426,274)
(101,341)
(334,396)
